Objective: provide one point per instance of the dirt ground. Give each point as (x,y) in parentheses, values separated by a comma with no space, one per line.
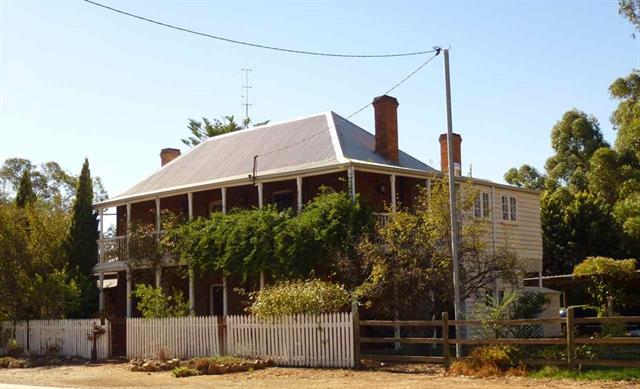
(116,376)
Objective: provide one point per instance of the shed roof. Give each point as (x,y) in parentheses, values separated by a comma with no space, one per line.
(317,141)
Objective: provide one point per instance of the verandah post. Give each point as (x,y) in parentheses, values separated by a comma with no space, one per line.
(445,339)
(356,334)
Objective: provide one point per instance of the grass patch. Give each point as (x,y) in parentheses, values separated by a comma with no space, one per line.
(591,374)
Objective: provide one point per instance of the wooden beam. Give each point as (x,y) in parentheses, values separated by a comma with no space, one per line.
(509,341)
(446,353)
(355,315)
(402,323)
(190,202)
(403,358)
(402,340)
(611,320)
(571,336)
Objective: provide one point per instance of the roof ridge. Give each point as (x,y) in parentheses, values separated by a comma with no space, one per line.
(245,130)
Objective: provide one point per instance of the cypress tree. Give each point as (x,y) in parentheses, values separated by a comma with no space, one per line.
(25,194)
(82,245)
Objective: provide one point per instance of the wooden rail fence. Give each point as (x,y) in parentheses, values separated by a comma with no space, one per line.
(570,340)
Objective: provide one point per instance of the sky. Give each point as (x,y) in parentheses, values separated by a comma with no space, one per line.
(79,81)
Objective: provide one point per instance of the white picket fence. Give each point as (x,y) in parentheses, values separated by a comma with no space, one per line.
(301,340)
(178,337)
(70,336)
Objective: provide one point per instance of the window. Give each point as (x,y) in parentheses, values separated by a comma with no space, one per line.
(509,210)
(283,199)
(482,207)
(216,300)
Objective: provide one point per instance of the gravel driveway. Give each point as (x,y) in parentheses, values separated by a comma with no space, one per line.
(116,376)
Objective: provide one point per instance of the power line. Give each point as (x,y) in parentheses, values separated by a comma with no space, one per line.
(257,45)
(437,51)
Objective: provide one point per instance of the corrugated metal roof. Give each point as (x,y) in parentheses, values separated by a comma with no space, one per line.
(359,144)
(320,140)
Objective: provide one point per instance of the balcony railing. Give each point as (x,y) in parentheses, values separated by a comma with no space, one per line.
(124,247)
(382,219)
(113,249)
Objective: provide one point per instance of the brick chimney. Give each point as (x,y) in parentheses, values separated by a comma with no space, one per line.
(457,153)
(168,155)
(386,117)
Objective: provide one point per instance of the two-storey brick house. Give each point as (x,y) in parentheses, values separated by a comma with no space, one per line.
(294,159)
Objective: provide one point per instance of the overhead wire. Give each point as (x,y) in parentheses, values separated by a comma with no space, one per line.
(258,45)
(436,51)
(340,119)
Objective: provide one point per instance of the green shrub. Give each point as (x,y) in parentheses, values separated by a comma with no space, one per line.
(289,298)
(513,305)
(180,372)
(154,303)
(13,349)
(282,243)
(606,280)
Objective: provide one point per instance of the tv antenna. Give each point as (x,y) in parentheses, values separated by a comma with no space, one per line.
(245,90)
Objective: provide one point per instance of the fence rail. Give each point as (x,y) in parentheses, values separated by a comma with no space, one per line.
(570,340)
(70,337)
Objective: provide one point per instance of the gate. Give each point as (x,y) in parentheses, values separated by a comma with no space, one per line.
(118,337)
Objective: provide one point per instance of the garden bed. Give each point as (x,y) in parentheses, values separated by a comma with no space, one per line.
(25,362)
(198,366)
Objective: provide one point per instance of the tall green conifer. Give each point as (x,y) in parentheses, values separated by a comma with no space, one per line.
(25,194)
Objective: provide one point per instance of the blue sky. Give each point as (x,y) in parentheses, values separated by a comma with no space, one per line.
(76,80)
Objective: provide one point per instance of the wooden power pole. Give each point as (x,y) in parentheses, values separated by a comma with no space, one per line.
(452,204)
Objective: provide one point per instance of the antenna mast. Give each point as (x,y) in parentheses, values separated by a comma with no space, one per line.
(245,90)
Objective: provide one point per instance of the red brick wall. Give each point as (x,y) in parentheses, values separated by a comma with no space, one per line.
(311,185)
(121,220)
(178,205)
(269,188)
(144,212)
(369,186)
(202,199)
(408,188)
(245,196)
